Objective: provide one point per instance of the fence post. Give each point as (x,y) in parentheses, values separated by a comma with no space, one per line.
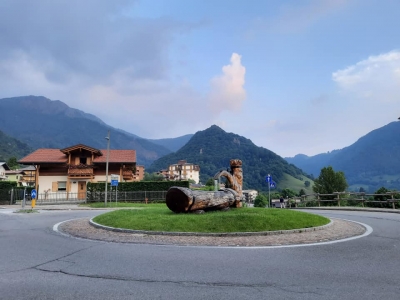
(319,203)
(362,199)
(12,196)
(338,199)
(394,207)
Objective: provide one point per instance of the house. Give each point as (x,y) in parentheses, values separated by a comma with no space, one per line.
(23,177)
(67,171)
(3,169)
(182,171)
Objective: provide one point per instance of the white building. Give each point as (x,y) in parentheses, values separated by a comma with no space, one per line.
(184,171)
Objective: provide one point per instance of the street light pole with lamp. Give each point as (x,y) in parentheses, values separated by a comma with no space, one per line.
(108,153)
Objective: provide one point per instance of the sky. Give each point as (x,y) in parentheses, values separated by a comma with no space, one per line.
(294,76)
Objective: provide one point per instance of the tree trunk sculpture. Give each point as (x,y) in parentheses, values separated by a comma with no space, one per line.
(180,199)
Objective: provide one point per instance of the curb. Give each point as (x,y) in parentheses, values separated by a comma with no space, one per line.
(230,234)
(388,210)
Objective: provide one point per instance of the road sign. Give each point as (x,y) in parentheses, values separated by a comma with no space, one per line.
(33,194)
(114,180)
(268,178)
(272,185)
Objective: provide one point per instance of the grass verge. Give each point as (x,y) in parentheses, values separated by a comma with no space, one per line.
(157,218)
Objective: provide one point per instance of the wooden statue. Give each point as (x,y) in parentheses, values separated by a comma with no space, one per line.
(180,199)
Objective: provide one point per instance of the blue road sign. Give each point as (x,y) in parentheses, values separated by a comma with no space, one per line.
(114,182)
(268,178)
(33,194)
(272,185)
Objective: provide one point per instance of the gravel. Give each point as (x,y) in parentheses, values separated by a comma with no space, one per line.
(339,229)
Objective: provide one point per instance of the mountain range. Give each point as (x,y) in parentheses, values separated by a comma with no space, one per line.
(371,162)
(43,123)
(32,122)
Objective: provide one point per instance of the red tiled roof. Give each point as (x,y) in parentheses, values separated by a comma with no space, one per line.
(44,155)
(116,156)
(56,156)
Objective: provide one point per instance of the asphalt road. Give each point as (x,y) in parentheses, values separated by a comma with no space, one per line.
(38,263)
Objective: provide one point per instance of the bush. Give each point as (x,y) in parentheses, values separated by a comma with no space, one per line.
(261,201)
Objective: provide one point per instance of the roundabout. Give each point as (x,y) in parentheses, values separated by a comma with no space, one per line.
(39,263)
(337,230)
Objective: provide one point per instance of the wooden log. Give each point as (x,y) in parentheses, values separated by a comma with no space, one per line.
(179,199)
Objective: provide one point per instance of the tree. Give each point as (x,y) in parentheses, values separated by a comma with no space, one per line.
(330,181)
(210,182)
(12,163)
(153,177)
(288,193)
(301,193)
(381,191)
(307,183)
(261,201)
(362,190)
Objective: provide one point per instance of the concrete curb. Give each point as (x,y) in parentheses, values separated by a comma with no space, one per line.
(230,234)
(348,208)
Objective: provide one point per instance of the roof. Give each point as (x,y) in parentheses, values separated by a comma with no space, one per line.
(117,156)
(5,166)
(80,147)
(46,155)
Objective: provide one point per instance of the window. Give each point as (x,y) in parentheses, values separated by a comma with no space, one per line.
(83,160)
(62,185)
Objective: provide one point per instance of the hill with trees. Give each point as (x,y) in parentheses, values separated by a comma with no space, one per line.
(11,147)
(212,150)
(43,123)
(371,162)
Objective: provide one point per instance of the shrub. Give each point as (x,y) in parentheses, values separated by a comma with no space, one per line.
(261,201)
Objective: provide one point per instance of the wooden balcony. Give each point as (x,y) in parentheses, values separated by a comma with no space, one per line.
(80,171)
(127,174)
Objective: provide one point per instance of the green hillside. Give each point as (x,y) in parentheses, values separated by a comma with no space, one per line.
(11,147)
(212,150)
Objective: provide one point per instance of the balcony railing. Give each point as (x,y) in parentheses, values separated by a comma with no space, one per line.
(80,171)
(127,174)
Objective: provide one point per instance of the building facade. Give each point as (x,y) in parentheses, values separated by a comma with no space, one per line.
(67,171)
(183,171)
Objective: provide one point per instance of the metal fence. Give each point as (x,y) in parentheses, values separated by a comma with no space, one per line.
(15,196)
(141,196)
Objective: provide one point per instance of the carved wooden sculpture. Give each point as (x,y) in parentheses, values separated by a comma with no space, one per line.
(180,199)
(235,178)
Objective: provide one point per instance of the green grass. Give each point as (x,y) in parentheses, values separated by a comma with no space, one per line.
(289,182)
(27,211)
(235,220)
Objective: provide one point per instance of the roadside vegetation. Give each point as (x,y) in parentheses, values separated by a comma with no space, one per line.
(156,218)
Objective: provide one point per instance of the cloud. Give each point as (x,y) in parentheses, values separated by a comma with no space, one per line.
(375,79)
(227,90)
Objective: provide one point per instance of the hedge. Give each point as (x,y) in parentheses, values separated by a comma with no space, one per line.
(138,186)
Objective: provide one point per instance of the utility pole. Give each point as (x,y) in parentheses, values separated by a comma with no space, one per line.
(108,153)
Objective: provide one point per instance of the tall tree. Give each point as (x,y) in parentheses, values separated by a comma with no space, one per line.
(330,181)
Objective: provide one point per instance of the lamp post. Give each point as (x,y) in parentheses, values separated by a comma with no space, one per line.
(108,153)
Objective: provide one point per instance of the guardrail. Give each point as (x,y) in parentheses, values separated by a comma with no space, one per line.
(386,200)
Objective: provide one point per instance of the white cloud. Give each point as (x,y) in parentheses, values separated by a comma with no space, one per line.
(373,79)
(227,90)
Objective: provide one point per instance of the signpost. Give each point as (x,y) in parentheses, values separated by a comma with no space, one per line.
(33,198)
(114,182)
(269,180)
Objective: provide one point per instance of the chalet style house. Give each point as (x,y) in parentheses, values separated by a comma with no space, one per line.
(69,170)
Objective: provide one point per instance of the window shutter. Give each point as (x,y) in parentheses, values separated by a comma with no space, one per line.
(54,186)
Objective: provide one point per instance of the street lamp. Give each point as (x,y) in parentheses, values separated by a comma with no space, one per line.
(108,153)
